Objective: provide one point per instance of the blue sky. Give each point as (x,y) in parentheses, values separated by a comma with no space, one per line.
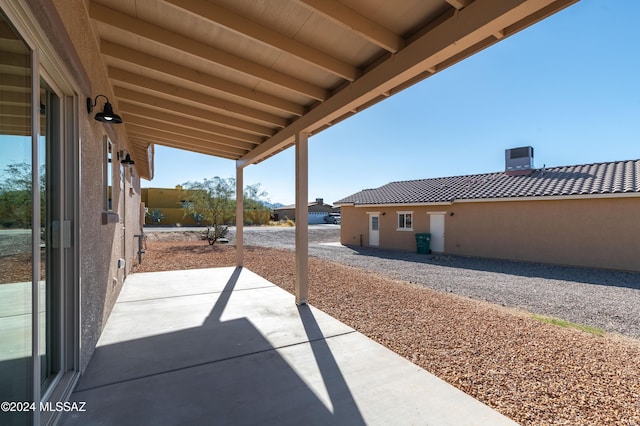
(569,86)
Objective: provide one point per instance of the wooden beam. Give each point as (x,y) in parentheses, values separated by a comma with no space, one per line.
(15,130)
(14,81)
(267,36)
(127,77)
(157,134)
(175,141)
(459,4)
(180,145)
(19,61)
(19,98)
(144,60)
(190,111)
(200,150)
(193,133)
(467,28)
(352,20)
(22,112)
(203,51)
(189,123)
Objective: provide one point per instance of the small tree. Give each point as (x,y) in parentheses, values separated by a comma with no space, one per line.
(212,201)
(255,212)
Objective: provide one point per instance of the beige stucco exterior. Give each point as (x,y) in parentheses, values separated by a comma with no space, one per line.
(101,244)
(589,232)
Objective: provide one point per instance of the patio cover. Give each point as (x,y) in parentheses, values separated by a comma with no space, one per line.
(238,79)
(246,79)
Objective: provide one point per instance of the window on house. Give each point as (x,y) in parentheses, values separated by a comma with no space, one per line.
(375,223)
(107,174)
(405,221)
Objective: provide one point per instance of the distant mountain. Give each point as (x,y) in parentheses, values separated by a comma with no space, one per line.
(272,206)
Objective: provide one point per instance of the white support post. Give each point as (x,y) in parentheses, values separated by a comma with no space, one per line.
(239,215)
(302,218)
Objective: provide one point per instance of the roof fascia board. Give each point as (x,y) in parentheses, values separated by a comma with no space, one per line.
(500,200)
(400,205)
(555,197)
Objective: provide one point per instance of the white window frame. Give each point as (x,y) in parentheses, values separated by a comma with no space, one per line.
(405,213)
(107,174)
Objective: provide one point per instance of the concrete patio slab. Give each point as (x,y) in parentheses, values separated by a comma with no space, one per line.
(225,347)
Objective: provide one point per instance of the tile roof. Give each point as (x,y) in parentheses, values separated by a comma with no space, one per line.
(589,179)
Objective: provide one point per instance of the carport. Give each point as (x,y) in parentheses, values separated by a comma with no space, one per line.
(244,80)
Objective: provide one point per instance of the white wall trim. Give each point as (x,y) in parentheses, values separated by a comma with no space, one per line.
(404,212)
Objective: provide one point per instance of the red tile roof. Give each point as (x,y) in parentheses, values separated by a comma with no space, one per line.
(618,177)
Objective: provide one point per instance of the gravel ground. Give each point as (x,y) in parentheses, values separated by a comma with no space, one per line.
(604,299)
(533,372)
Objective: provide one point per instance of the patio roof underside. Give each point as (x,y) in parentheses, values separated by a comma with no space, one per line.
(238,79)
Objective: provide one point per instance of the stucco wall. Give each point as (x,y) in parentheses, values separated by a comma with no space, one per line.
(599,232)
(602,233)
(132,217)
(101,244)
(163,198)
(168,200)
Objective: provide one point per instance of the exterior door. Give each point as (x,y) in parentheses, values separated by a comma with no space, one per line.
(374,229)
(436,224)
(20,233)
(38,272)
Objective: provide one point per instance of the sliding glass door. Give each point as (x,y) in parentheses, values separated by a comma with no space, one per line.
(50,245)
(38,286)
(18,266)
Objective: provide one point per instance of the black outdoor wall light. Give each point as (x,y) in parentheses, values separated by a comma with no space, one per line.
(127,160)
(107,115)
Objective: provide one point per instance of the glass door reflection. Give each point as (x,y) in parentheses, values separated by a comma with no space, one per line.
(16,222)
(50,245)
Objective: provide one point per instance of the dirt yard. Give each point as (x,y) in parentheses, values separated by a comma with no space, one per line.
(533,372)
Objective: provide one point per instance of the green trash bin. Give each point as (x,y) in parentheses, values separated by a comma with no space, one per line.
(423,243)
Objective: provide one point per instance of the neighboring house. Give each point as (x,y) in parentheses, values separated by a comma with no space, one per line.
(584,215)
(170,202)
(317,211)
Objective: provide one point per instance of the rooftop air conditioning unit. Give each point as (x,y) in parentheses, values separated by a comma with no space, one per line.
(519,161)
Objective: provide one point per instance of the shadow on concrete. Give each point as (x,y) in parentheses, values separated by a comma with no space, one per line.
(595,276)
(222,373)
(345,410)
